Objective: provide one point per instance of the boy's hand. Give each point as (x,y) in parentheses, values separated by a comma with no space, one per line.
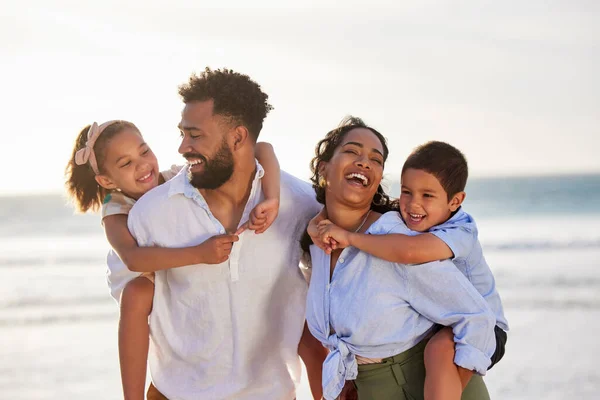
(313,232)
(216,249)
(261,217)
(333,235)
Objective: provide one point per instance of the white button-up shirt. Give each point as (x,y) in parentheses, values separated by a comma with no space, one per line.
(226,331)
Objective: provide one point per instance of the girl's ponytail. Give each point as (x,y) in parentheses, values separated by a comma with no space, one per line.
(81,183)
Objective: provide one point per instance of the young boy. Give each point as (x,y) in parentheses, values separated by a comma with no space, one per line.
(433,182)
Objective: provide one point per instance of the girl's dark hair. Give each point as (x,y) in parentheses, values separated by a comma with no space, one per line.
(81,185)
(324,152)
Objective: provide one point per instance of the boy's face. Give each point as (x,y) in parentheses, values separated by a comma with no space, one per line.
(424,202)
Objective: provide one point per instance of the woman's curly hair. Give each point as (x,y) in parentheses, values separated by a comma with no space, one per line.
(235,96)
(324,152)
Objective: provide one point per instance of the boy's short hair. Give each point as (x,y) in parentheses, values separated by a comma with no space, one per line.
(443,161)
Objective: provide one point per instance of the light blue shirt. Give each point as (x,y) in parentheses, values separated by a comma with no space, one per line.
(378,309)
(461,235)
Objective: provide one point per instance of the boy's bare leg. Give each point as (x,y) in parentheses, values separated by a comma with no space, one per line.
(136,305)
(443,379)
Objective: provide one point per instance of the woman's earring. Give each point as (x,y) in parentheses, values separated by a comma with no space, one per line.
(322,182)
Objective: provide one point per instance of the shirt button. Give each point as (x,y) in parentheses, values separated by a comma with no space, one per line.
(222,231)
(341,260)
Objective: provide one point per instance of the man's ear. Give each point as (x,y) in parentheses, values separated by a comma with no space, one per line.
(105,182)
(240,136)
(456,201)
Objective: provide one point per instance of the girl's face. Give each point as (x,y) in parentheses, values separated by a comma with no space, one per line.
(129,164)
(356,168)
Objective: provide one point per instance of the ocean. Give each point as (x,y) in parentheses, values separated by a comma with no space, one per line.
(540,235)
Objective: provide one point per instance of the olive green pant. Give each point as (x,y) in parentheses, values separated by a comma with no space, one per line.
(402,377)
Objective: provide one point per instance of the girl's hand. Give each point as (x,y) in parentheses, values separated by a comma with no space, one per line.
(261,217)
(216,249)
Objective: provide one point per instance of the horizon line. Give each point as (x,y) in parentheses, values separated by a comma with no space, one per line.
(387,178)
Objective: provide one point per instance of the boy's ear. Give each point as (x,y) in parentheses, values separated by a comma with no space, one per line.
(456,201)
(105,182)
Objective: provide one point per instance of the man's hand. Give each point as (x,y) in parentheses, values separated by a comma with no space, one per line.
(216,249)
(261,217)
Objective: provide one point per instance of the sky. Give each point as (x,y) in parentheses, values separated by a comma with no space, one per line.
(513,84)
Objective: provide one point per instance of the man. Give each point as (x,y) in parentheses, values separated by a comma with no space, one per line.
(231,330)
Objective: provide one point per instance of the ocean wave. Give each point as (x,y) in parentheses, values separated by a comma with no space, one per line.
(525,245)
(552,304)
(18,261)
(56,319)
(46,302)
(555,282)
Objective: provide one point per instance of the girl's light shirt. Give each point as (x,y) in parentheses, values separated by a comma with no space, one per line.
(117,274)
(461,235)
(378,309)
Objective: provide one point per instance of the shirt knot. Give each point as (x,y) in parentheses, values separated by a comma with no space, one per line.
(339,366)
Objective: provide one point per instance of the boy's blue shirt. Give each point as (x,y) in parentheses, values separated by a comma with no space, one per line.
(461,235)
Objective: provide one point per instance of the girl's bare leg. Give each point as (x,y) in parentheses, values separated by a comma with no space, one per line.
(136,305)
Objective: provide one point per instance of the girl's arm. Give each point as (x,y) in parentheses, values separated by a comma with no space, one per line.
(392,247)
(270,181)
(149,259)
(263,215)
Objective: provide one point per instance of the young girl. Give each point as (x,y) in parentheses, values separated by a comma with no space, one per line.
(110,168)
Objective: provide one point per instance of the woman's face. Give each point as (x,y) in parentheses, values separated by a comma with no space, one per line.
(356,168)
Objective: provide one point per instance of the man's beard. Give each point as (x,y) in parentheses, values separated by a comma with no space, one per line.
(216,171)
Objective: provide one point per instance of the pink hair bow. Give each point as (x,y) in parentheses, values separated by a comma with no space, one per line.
(86,154)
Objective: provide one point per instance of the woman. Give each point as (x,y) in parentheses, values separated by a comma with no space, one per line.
(376,316)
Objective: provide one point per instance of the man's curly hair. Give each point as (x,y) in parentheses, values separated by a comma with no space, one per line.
(235,96)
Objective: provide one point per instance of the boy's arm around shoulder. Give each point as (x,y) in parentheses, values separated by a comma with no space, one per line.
(391,240)
(401,248)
